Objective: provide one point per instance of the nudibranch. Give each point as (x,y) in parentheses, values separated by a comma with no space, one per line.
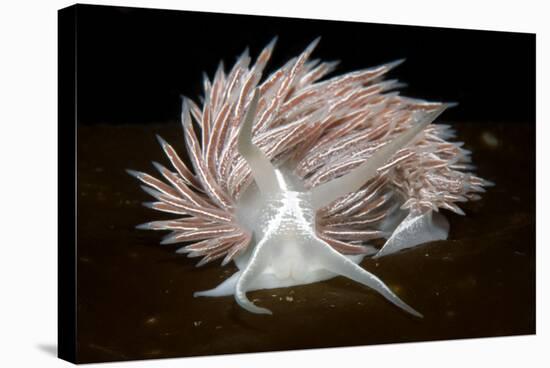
(294,176)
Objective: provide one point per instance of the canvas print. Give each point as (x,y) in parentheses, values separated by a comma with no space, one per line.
(247,183)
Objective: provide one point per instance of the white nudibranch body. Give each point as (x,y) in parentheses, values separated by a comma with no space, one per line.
(288,251)
(292,178)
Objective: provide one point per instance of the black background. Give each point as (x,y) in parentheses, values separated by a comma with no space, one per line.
(133,64)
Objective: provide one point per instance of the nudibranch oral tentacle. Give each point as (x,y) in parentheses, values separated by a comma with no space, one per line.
(293,177)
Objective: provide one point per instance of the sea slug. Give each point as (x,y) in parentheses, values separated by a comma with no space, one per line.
(294,176)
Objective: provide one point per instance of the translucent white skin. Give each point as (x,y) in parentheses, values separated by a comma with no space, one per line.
(286,250)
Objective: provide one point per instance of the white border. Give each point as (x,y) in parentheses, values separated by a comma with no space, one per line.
(28,104)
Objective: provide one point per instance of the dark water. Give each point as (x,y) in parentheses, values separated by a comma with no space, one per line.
(135,296)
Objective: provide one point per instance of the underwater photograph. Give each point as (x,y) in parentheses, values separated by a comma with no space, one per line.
(242,183)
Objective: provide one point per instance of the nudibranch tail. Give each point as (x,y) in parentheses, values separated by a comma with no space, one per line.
(416,228)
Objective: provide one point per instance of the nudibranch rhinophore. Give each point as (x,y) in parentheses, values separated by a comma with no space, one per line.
(294,176)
